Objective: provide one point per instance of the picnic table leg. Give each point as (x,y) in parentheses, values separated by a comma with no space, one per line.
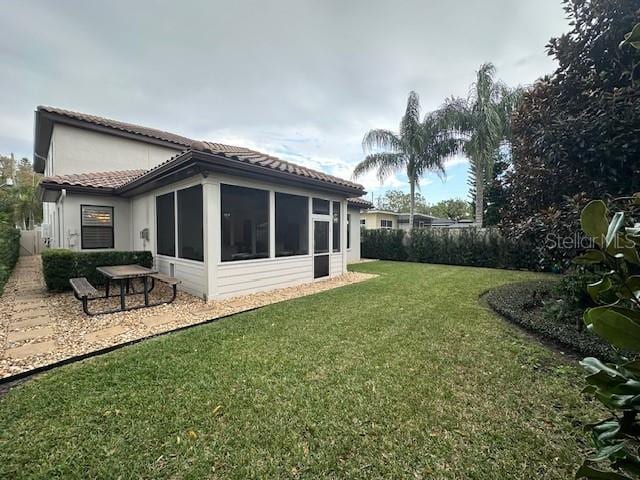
(122,292)
(146,292)
(107,289)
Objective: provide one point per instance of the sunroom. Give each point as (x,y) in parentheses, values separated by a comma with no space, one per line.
(222,225)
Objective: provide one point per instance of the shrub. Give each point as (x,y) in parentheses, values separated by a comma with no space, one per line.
(464,246)
(383,244)
(60,265)
(523,304)
(9,252)
(571,297)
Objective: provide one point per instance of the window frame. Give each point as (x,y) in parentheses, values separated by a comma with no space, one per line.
(348,231)
(113,227)
(175,224)
(270,221)
(176,207)
(335,249)
(386,227)
(308,215)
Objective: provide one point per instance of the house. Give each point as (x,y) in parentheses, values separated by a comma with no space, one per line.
(224,220)
(387,220)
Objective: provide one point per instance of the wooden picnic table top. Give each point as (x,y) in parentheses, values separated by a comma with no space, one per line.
(120,272)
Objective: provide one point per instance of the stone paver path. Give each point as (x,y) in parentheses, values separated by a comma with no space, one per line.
(26,319)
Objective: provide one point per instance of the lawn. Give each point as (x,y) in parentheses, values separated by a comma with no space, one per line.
(403,376)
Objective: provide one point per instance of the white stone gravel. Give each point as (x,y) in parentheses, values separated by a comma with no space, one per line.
(71,326)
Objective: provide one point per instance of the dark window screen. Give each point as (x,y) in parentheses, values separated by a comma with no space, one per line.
(292,225)
(336,226)
(320,207)
(245,223)
(190,223)
(166,224)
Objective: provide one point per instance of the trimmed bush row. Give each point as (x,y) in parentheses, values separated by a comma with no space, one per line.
(9,253)
(60,265)
(523,304)
(464,246)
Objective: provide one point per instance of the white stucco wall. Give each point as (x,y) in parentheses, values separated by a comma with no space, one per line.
(70,220)
(75,150)
(353,253)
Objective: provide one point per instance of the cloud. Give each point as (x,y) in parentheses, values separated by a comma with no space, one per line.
(301,80)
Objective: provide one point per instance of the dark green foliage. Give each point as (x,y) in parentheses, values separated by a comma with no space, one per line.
(577,130)
(571,297)
(616,320)
(60,265)
(9,252)
(383,244)
(524,304)
(464,246)
(467,246)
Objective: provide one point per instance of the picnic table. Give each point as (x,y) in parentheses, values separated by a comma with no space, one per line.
(124,276)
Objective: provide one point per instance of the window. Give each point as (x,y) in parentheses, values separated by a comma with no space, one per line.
(190,223)
(348,231)
(320,207)
(386,224)
(166,224)
(336,226)
(245,223)
(292,225)
(363,222)
(96,227)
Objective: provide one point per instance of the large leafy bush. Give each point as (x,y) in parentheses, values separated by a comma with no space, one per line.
(577,129)
(383,244)
(615,319)
(60,265)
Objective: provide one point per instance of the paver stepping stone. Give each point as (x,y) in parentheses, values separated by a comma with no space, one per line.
(106,333)
(31,322)
(159,319)
(30,305)
(30,349)
(30,334)
(31,313)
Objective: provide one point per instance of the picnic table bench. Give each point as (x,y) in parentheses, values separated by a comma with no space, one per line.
(124,275)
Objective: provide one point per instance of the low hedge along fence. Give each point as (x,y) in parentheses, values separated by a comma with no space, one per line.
(462,246)
(60,265)
(9,252)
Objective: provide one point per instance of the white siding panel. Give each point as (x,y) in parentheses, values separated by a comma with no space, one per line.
(191,274)
(335,267)
(241,278)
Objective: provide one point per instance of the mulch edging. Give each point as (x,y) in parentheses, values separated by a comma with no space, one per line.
(512,303)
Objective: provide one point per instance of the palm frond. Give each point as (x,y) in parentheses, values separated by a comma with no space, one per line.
(381,139)
(385,163)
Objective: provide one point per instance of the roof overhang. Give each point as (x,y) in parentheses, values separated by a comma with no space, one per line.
(43,129)
(193,162)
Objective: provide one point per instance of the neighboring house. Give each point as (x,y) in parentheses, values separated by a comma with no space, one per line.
(224,220)
(386,220)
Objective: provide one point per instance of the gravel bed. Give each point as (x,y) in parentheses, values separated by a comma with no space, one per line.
(71,325)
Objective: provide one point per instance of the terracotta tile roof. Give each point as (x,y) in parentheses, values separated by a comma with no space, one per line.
(107,180)
(120,126)
(231,152)
(360,203)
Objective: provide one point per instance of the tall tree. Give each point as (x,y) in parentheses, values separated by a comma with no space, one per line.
(400,202)
(417,148)
(454,209)
(483,123)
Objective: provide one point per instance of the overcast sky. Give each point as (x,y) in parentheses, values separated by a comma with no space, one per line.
(300,79)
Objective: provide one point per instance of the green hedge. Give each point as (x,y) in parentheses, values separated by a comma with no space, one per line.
(60,265)
(383,244)
(462,246)
(9,252)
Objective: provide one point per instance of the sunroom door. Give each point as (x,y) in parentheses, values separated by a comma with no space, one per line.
(320,248)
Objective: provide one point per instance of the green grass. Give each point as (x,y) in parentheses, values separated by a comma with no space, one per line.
(403,376)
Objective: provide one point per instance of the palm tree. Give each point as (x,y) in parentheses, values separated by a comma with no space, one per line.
(417,148)
(483,124)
